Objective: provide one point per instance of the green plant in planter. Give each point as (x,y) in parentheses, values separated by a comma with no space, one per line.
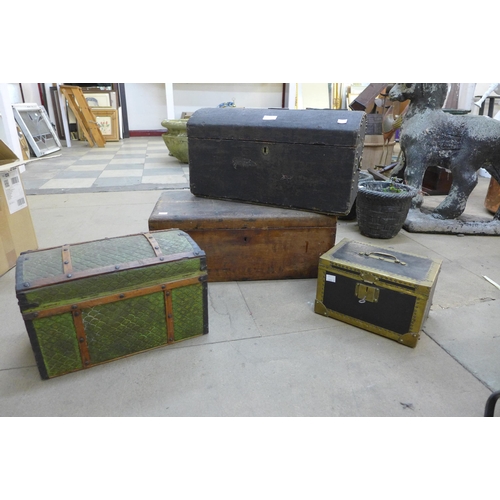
(392,189)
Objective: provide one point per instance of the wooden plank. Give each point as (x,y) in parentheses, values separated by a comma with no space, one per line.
(138,292)
(78,115)
(89,117)
(82,338)
(83,115)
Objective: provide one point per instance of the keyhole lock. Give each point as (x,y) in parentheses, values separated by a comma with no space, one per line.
(366,293)
(265,150)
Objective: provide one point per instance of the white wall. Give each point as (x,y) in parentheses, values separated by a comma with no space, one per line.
(14,93)
(315,95)
(146,105)
(8,130)
(31,93)
(29,90)
(147,102)
(10,93)
(192,96)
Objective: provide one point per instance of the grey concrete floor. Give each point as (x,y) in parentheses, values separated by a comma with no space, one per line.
(267,353)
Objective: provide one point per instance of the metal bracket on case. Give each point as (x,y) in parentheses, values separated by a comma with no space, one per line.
(320,308)
(409,339)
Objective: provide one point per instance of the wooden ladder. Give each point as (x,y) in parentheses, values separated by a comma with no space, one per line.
(83,115)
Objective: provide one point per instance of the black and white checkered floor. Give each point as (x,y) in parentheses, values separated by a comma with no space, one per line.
(136,163)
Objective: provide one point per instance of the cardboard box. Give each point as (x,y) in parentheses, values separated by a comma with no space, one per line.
(17,233)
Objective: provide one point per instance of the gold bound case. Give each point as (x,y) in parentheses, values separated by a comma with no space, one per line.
(380,290)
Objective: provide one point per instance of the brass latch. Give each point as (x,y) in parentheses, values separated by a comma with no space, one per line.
(366,293)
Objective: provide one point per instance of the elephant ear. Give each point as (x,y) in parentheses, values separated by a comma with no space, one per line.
(435,93)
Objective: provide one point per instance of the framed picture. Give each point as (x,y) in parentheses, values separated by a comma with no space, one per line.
(107,119)
(36,127)
(98,99)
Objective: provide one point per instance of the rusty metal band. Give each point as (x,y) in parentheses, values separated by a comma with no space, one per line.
(169,314)
(53,280)
(154,244)
(99,240)
(114,298)
(81,337)
(66,258)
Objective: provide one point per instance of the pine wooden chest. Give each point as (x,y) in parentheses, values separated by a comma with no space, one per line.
(492,200)
(382,291)
(300,159)
(244,241)
(90,303)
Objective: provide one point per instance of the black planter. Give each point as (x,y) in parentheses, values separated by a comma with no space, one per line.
(381,211)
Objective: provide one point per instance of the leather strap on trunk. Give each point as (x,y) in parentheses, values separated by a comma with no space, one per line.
(153,243)
(66,258)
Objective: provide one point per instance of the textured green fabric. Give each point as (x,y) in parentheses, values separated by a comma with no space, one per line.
(187,304)
(102,253)
(107,284)
(171,242)
(58,344)
(120,328)
(123,326)
(110,252)
(42,264)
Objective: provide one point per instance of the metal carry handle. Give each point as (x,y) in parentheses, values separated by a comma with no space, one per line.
(489,409)
(380,255)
